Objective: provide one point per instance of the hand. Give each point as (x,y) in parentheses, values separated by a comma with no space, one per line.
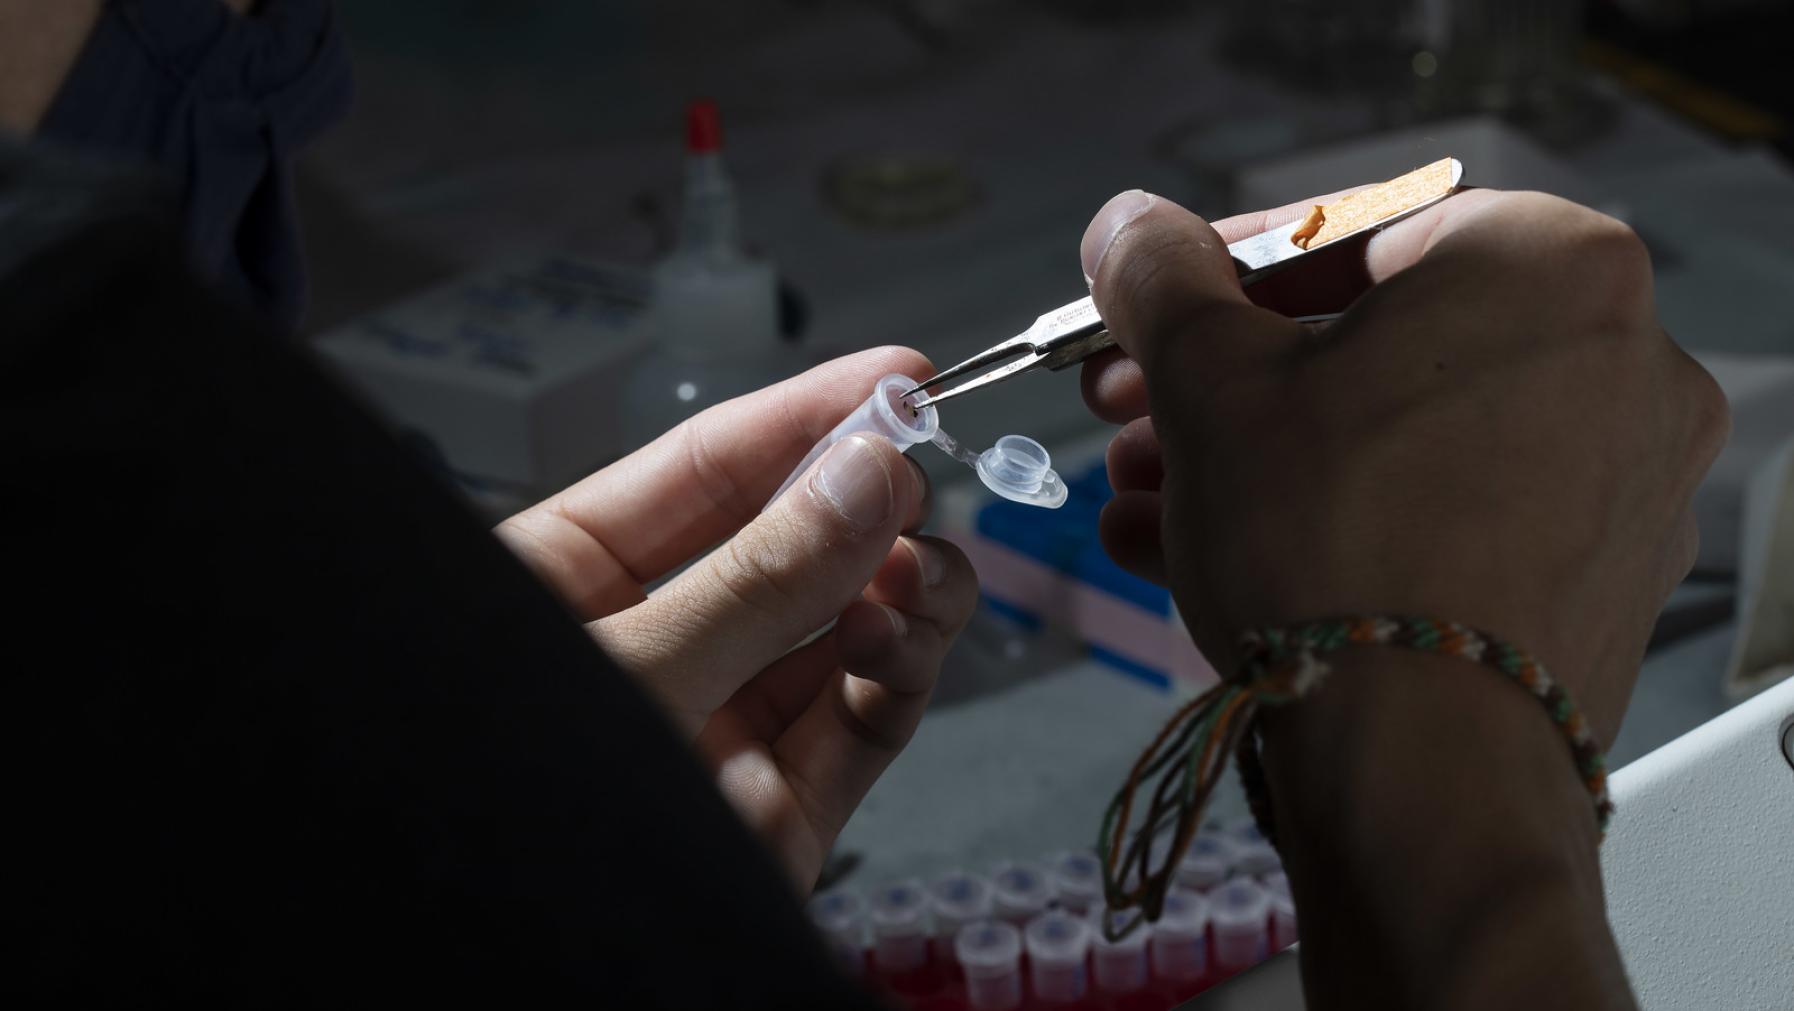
(796,734)
(1497,432)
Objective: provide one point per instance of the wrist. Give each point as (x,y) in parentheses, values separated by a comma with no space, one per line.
(1432,820)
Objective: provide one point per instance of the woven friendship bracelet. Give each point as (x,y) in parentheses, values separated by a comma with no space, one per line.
(1279,666)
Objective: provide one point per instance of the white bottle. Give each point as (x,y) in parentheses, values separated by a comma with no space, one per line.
(716,308)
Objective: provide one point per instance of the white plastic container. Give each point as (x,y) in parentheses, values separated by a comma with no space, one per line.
(1119,967)
(1023,891)
(1283,911)
(841,917)
(1206,863)
(1179,941)
(899,914)
(1239,912)
(1078,879)
(958,898)
(1058,945)
(1253,854)
(883,413)
(990,951)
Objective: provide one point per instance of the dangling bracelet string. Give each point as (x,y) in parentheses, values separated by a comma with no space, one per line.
(1279,666)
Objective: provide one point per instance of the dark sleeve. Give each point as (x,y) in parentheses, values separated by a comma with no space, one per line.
(290,727)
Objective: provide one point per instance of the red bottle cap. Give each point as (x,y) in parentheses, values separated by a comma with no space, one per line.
(703,131)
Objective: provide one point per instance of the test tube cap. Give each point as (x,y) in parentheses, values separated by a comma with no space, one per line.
(1239,905)
(899,908)
(1185,914)
(1133,940)
(1078,878)
(1021,470)
(838,912)
(1022,889)
(1057,936)
(1205,864)
(988,948)
(961,897)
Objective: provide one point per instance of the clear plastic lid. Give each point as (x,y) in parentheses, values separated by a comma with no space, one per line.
(1238,906)
(899,908)
(1022,889)
(1020,469)
(988,948)
(1057,937)
(838,912)
(1185,915)
(1206,862)
(961,897)
(1078,878)
(1134,940)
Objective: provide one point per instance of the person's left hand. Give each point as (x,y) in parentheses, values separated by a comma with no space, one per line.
(795,736)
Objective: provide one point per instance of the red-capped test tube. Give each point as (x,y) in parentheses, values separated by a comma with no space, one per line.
(990,952)
(1119,967)
(1283,911)
(1023,891)
(1058,945)
(1077,879)
(1239,912)
(841,917)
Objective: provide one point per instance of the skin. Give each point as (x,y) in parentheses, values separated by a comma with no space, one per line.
(39,44)
(1498,432)
(795,732)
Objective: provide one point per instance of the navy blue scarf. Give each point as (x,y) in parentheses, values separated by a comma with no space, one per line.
(220,103)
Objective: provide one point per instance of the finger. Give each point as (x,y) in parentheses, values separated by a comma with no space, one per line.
(918,602)
(1114,387)
(598,542)
(1131,531)
(781,577)
(1112,383)
(1134,460)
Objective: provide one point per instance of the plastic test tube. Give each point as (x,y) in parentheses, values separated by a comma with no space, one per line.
(883,413)
(1058,943)
(1023,891)
(1118,966)
(1207,861)
(1253,854)
(1180,937)
(899,912)
(1283,911)
(1239,911)
(841,916)
(1077,878)
(991,953)
(959,898)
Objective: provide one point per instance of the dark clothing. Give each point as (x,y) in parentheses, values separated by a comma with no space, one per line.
(219,103)
(290,727)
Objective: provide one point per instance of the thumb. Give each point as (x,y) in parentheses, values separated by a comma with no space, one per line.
(1167,288)
(780,578)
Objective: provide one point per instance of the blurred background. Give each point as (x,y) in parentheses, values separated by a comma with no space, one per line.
(494,235)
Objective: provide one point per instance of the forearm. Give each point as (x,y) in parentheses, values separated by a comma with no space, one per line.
(1440,844)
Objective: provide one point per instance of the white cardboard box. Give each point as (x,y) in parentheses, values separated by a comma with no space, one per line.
(512,373)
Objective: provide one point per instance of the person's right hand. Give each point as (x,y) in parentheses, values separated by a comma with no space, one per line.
(1498,432)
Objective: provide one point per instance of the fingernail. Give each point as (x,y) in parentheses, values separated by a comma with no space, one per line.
(928,559)
(1121,210)
(853,479)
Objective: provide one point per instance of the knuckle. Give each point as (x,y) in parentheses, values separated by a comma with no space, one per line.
(755,569)
(1712,413)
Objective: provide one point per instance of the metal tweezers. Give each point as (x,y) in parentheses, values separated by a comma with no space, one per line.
(1074,332)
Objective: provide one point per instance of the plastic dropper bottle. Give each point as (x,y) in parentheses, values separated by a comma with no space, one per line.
(715,308)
